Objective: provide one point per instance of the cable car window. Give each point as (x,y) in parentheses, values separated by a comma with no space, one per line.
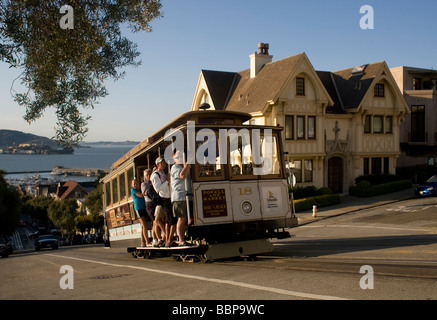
(240,152)
(208,163)
(130,177)
(269,153)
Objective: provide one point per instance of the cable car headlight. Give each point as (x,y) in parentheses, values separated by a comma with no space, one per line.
(246,207)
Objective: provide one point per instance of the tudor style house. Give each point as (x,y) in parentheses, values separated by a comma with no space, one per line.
(337,125)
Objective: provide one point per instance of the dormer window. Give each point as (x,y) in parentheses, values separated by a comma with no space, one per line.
(379,90)
(300,86)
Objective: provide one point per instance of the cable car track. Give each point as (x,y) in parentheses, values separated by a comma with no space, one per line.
(411,269)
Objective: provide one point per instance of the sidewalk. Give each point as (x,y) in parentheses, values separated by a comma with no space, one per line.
(350,203)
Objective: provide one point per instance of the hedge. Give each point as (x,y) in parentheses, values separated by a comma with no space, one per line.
(361,191)
(319,201)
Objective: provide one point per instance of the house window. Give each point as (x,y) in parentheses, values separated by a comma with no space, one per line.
(311,127)
(379,90)
(300,86)
(377,124)
(386,165)
(289,127)
(367,124)
(308,170)
(366,166)
(376,165)
(418,123)
(301,127)
(388,125)
(297,170)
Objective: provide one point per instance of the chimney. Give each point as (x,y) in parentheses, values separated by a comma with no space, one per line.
(259,59)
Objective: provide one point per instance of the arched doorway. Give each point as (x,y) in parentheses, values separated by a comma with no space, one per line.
(335,174)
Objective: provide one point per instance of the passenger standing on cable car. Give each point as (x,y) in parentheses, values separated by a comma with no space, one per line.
(179,191)
(140,209)
(161,183)
(158,228)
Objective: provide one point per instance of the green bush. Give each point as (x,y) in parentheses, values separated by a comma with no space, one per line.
(304,204)
(364,184)
(309,191)
(319,201)
(375,179)
(380,188)
(327,200)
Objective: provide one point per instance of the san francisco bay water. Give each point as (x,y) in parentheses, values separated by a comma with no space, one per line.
(98,157)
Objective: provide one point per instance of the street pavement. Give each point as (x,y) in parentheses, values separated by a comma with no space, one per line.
(350,203)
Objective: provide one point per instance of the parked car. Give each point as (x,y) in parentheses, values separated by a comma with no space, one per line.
(90,238)
(429,188)
(5,248)
(99,237)
(46,241)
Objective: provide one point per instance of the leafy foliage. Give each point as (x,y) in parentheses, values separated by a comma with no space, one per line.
(10,205)
(63,214)
(66,68)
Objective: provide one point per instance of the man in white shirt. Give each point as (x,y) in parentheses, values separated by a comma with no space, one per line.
(179,190)
(160,182)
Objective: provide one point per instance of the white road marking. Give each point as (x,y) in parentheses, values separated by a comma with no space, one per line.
(368,227)
(219,281)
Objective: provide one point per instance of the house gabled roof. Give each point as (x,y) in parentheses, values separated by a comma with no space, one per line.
(353,85)
(327,79)
(252,94)
(345,89)
(68,187)
(220,85)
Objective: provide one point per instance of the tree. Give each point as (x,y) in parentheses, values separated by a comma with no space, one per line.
(94,200)
(94,203)
(10,205)
(63,214)
(37,208)
(65,63)
(83,223)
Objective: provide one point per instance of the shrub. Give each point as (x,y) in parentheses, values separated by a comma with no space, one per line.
(319,201)
(304,204)
(364,184)
(375,179)
(310,191)
(380,188)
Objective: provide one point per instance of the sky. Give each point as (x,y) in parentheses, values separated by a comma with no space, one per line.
(220,35)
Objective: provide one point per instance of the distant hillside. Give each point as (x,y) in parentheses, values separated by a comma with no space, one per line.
(12,137)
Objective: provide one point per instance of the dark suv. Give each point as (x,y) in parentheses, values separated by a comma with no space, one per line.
(46,241)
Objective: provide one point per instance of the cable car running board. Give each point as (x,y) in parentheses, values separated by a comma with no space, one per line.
(205,253)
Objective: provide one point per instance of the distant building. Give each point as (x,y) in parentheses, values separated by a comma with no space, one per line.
(71,189)
(337,125)
(419,131)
